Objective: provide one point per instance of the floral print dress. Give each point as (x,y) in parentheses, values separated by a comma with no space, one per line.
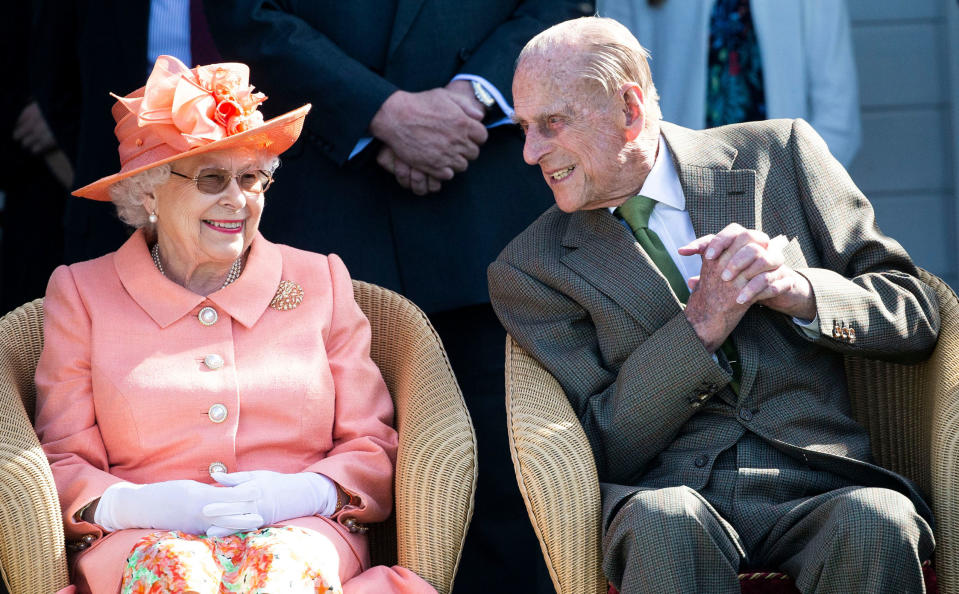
(276,559)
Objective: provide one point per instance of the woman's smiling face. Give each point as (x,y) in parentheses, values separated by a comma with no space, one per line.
(207,229)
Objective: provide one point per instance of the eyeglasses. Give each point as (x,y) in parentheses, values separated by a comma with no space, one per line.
(214,181)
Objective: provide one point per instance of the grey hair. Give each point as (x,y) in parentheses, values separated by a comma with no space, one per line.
(610,52)
(127,194)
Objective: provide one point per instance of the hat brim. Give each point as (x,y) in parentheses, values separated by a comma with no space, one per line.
(274,136)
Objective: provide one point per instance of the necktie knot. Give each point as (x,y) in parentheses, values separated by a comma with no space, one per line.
(636,211)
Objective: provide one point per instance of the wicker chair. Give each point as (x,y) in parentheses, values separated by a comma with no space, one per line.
(911,412)
(435,468)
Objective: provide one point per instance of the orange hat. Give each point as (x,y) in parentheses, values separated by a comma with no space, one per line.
(183,112)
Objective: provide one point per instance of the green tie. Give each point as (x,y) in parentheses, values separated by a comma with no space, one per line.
(636,212)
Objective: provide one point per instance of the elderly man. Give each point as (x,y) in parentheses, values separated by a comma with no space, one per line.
(718,417)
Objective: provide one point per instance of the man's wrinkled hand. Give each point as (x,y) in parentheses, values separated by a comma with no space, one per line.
(712,309)
(756,262)
(412,179)
(435,132)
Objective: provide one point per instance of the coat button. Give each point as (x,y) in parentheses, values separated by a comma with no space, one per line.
(745,414)
(353,526)
(207,316)
(88,538)
(213,361)
(217,413)
(217,467)
(701,460)
(465,54)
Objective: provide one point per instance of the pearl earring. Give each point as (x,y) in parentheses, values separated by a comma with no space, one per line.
(153,217)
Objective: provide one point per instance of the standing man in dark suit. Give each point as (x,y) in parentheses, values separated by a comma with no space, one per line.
(404,173)
(719,419)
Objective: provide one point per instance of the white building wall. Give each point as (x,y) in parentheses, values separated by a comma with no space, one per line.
(907,54)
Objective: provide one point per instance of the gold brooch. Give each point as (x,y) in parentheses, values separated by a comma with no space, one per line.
(288,296)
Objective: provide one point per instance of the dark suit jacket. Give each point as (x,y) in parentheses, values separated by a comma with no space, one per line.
(346,58)
(578,293)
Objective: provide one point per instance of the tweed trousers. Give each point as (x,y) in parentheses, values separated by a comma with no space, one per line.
(763,509)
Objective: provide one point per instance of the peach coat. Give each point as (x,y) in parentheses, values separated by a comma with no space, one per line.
(124,394)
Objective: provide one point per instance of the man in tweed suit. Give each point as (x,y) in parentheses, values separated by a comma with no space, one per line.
(721,428)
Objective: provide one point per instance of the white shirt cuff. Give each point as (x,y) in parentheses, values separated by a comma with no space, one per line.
(810,328)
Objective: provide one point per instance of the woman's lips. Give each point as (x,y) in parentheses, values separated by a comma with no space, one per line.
(231,227)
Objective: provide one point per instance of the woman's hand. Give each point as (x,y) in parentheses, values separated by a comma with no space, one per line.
(187,506)
(277,496)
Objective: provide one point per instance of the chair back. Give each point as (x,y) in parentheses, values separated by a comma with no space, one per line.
(436,460)
(33,556)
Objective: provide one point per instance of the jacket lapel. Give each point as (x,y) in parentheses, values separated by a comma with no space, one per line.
(716,196)
(608,258)
(406,11)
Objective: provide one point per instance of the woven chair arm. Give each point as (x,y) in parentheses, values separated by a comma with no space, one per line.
(941,403)
(556,474)
(436,461)
(911,412)
(32,552)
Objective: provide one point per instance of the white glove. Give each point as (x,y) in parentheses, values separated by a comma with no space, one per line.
(187,506)
(282,496)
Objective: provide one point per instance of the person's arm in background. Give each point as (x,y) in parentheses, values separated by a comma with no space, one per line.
(833,88)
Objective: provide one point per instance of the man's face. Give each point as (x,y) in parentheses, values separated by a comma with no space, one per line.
(574,132)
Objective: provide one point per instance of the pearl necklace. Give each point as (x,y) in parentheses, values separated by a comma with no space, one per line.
(231,276)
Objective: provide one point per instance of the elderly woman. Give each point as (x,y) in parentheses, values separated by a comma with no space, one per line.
(206,398)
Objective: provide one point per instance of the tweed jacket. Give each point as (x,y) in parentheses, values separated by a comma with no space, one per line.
(578,293)
(124,393)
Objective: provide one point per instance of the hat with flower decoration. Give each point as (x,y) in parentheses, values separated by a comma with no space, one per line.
(184,111)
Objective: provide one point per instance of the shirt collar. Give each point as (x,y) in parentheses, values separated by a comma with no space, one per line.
(662,182)
(165,301)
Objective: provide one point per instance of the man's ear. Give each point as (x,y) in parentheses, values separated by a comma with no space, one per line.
(634,106)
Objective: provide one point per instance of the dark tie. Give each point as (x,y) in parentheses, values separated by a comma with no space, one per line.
(636,212)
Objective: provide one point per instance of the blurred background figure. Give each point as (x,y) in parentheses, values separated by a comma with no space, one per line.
(84,49)
(405,173)
(38,174)
(719,62)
